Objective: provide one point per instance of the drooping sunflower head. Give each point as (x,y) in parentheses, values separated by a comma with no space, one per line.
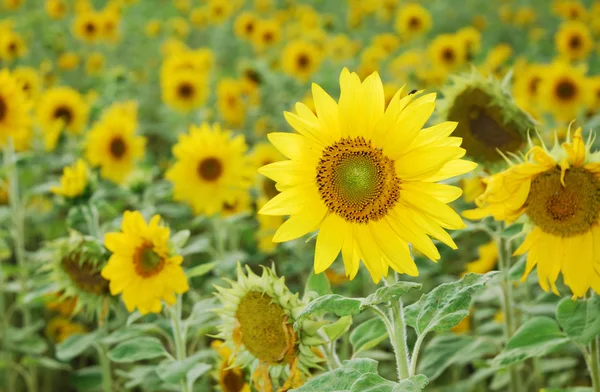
(15,112)
(210,161)
(488,119)
(559,192)
(574,41)
(258,314)
(364,175)
(74,272)
(142,261)
(112,143)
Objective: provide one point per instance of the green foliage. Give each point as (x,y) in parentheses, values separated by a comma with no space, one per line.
(75,345)
(580,319)
(368,335)
(137,349)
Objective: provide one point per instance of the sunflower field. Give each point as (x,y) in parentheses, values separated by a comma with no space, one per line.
(299,195)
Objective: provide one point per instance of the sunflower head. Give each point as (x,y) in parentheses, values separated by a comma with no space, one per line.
(74,181)
(488,119)
(75,273)
(258,314)
(15,112)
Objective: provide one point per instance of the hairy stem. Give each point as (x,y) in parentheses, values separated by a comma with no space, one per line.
(179,337)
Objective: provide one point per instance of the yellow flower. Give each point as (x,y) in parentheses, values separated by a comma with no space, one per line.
(210,161)
(403,65)
(73,181)
(526,87)
(340,48)
(245,25)
(574,41)
(463,327)
(267,34)
(56,9)
(13,4)
(15,112)
(112,143)
(87,26)
(472,187)
(219,11)
(95,63)
(231,379)
(570,10)
(57,303)
(60,328)
(199,16)
(12,45)
(558,191)
(68,61)
(109,24)
(496,58)
(563,91)
(488,257)
(387,41)
(30,81)
(183,5)
(412,20)
(152,28)
(180,27)
(300,59)
(264,154)
(61,108)
(231,103)
(142,266)
(3,192)
(184,90)
(369,188)
(447,52)
(524,16)
(471,38)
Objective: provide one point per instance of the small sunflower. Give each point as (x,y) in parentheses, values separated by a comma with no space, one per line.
(447,52)
(526,87)
(570,10)
(109,24)
(559,193)
(574,41)
(231,103)
(185,90)
(211,163)
(61,108)
(488,120)
(56,9)
(496,60)
(245,25)
(231,379)
(264,154)
(471,38)
(87,26)
(370,189)
(74,180)
(30,81)
(199,17)
(152,28)
(112,143)
(340,48)
(15,112)
(300,59)
(258,314)
(95,63)
(74,272)
(142,266)
(12,45)
(68,61)
(267,34)
(60,328)
(219,11)
(412,20)
(564,91)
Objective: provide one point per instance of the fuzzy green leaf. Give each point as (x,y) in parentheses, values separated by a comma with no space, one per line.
(537,337)
(372,382)
(174,371)
(88,379)
(580,319)
(318,283)
(75,345)
(200,270)
(335,330)
(368,335)
(389,294)
(446,305)
(332,303)
(129,332)
(137,349)
(412,384)
(340,379)
(179,239)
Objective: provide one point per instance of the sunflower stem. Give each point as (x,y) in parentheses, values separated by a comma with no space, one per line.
(504,262)
(17,212)
(594,361)
(399,340)
(105,367)
(179,337)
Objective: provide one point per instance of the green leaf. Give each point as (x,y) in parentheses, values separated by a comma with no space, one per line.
(200,270)
(363,365)
(129,332)
(389,293)
(340,379)
(333,303)
(137,349)
(537,337)
(368,335)
(75,345)
(412,384)
(517,270)
(318,283)
(88,379)
(33,344)
(45,362)
(372,382)
(179,239)
(197,371)
(512,230)
(174,371)
(574,389)
(580,319)
(198,245)
(335,330)
(446,350)
(446,305)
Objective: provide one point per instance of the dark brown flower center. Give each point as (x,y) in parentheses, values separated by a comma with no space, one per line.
(232,380)
(210,169)
(12,47)
(566,90)
(3,109)
(63,113)
(356,181)
(90,28)
(533,85)
(414,23)
(564,210)
(448,55)
(303,61)
(185,90)
(575,42)
(268,37)
(118,147)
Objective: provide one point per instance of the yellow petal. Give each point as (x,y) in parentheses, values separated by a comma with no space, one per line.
(329,242)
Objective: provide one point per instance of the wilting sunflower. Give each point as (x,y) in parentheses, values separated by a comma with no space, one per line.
(61,108)
(185,90)
(365,176)
(15,112)
(87,26)
(73,181)
(142,266)
(112,143)
(300,59)
(258,314)
(74,271)
(574,41)
(487,117)
(564,91)
(231,379)
(447,52)
(210,167)
(412,20)
(559,193)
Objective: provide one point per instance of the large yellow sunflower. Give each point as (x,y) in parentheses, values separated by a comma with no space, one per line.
(365,175)
(15,112)
(559,192)
(211,165)
(61,108)
(112,143)
(142,266)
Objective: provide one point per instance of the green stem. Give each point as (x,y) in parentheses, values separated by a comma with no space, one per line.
(18,236)
(105,366)
(415,354)
(593,364)
(399,340)
(179,337)
(504,263)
